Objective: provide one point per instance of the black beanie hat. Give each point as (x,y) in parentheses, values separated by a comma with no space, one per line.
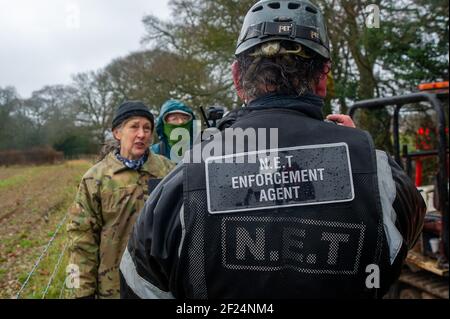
(129,109)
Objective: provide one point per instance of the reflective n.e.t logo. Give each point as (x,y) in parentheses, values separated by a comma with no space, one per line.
(310,246)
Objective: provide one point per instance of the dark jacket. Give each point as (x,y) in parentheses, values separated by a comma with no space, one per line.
(154,264)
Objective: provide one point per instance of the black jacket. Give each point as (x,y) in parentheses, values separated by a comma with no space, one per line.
(154,265)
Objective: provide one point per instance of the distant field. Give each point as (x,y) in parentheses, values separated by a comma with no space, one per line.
(33,201)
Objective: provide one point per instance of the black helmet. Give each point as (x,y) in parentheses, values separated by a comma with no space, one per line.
(298,21)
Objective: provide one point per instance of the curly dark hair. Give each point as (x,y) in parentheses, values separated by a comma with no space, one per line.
(288,74)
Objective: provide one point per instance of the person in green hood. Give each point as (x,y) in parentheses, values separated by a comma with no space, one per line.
(174,114)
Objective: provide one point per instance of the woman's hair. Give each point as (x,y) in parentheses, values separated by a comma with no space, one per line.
(107,147)
(111,144)
(284,74)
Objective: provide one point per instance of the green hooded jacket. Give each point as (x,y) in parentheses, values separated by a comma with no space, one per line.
(163,147)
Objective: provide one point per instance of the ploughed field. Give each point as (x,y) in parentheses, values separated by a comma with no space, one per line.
(33,202)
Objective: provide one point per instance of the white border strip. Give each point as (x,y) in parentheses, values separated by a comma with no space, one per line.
(141,287)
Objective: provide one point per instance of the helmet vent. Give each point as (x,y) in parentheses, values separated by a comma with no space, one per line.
(258,8)
(274,5)
(311,9)
(293,6)
(282,19)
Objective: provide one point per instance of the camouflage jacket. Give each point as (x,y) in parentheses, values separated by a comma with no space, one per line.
(106,206)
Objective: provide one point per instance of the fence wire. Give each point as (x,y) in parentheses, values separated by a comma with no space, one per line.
(44,252)
(55,271)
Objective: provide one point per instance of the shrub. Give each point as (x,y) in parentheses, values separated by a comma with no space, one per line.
(38,156)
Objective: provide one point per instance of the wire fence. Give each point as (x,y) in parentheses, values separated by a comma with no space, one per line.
(61,289)
(55,271)
(41,258)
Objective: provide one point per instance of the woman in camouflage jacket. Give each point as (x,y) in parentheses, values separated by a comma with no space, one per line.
(109,199)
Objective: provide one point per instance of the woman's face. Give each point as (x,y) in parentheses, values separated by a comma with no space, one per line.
(135,136)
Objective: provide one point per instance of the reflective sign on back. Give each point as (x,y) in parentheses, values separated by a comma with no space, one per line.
(303,175)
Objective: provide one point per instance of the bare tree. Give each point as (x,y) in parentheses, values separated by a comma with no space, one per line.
(95,101)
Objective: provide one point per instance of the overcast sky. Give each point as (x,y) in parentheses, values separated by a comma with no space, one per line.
(44,42)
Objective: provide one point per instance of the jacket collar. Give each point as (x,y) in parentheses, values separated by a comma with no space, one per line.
(118,167)
(309,104)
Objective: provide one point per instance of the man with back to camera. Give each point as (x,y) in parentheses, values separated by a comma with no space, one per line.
(322,215)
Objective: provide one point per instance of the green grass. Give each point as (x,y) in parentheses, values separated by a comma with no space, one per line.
(25,243)
(25,175)
(41,277)
(12,181)
(2,272)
